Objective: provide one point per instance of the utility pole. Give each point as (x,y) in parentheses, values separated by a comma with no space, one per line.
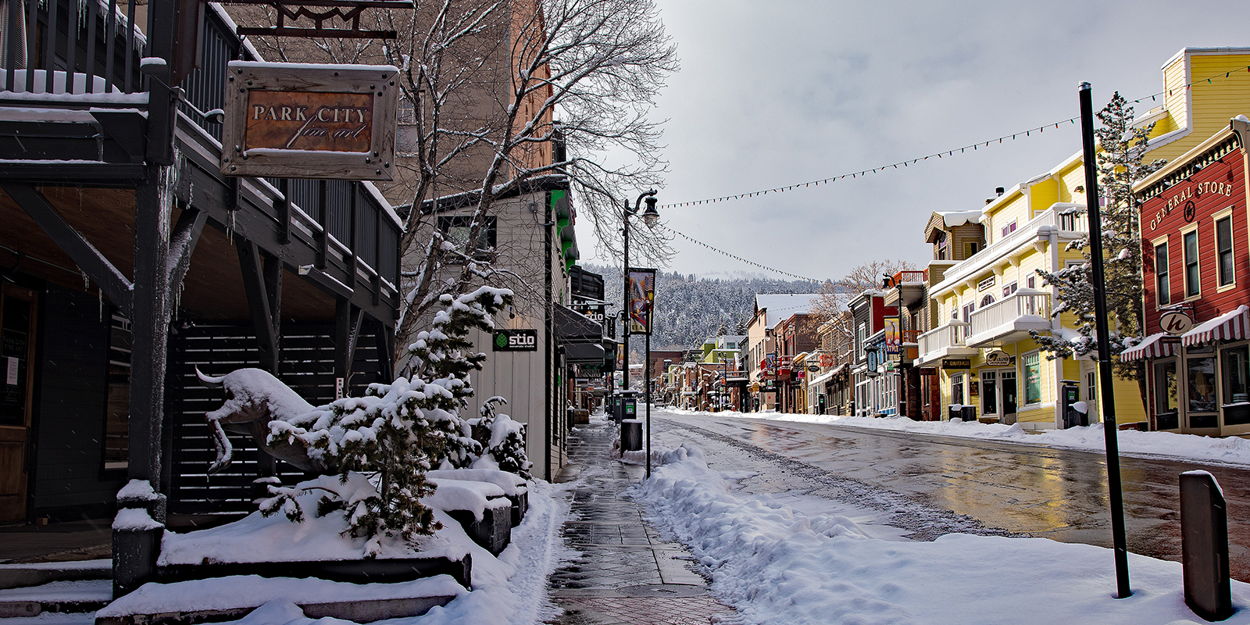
(1106,397)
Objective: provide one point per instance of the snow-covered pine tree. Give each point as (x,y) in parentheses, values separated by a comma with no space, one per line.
(502,440)
(1121,162)
(397,431)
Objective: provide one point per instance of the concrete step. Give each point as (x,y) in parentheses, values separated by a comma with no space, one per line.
(59,596)
(17,575)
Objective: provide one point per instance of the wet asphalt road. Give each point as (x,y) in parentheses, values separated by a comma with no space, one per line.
(935,484)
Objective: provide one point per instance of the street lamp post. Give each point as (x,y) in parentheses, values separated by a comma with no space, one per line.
(650,217)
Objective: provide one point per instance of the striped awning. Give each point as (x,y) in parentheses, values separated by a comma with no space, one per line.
(1230,326)
(1159,345)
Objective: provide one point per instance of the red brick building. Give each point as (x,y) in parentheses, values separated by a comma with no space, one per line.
(1196,273)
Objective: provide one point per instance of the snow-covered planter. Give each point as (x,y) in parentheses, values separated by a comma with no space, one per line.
(380,445)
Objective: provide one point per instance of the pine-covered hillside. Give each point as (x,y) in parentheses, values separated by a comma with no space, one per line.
(690,308)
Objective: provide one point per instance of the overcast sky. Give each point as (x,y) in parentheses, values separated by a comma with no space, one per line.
(774,93)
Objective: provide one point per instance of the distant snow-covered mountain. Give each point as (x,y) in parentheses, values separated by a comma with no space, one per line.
(690,308)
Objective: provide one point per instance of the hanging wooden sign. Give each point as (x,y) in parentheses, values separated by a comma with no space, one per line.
(300,120)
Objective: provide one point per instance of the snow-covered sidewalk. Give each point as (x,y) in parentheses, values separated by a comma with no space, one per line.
(1231,450)
(777,564)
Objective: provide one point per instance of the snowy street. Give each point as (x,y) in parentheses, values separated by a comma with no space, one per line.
(932,485)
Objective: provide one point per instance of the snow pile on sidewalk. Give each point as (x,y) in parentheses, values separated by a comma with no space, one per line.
(777,565)
(1231,450)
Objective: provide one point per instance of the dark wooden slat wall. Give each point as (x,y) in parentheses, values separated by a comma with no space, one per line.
(307,366)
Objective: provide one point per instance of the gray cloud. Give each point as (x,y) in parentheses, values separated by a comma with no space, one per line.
(784,92)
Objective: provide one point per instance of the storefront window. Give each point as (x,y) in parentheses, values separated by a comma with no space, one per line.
(1201,383)
(1032,378)
(1166,400)
(957,389)
(1236,389)
(989,392)
(1234,360)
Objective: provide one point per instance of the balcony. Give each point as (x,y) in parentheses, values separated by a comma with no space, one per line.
(911,286)
(1065,220)
(1009,319)
(942,342)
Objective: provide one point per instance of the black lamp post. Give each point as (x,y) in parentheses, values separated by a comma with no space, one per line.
(650,216)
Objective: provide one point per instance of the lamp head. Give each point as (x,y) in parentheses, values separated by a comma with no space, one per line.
(650,216)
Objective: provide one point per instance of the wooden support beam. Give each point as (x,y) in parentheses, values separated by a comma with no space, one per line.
(182,243)
(115,285)
(347,322)
(264,314)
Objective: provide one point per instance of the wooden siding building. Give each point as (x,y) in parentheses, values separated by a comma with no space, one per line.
(128,261)
(1196,278)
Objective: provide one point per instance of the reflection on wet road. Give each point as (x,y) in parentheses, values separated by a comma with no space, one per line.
(1016,488)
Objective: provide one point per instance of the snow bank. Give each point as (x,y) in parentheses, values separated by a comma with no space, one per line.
(1231,450)
(510,483)
(474,497)
(776,564)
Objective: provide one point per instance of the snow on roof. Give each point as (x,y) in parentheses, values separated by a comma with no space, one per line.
(959,218)
(782,305)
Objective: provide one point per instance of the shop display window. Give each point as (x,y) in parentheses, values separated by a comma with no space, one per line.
(989,392)
(1166,393)
(1201,390)
(1032,378)
(1235,362)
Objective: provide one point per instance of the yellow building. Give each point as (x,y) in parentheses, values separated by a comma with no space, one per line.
(988,303)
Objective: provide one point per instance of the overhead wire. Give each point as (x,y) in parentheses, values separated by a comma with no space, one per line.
(951,152)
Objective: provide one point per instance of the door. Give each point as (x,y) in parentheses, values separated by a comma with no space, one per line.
(17,349)
(1007,388)
(1091,395)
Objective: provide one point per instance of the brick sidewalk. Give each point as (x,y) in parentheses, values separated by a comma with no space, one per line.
(626,574)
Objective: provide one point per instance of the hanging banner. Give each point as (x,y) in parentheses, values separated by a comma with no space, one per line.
(893,336)
(641,300)
(301,120)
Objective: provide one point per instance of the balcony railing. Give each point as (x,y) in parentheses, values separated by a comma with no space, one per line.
(943,338)
(1022,311)
(1062,217)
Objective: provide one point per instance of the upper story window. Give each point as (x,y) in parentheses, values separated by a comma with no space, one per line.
(457,228)
(1009,228)
(987,300)
(1163,277)
(968,310)
(941,247)
(1010,288)
(1224,250)
(971,248)
(1190,245)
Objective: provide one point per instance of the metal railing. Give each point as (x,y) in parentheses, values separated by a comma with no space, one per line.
(71,46)
(1063,217)
(950,335)
(1008,310)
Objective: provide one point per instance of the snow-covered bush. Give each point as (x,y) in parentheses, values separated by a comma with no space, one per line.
(391,436)
(502,440)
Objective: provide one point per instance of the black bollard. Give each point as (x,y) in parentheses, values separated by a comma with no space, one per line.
(1204,546)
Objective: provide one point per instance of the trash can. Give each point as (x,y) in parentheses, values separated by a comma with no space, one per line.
(969,413)
(631,435)
(954,411)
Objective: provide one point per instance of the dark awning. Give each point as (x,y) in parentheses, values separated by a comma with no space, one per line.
(573,326)
(583,353)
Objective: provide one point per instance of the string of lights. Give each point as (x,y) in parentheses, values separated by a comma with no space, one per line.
(739,258)
(985,144)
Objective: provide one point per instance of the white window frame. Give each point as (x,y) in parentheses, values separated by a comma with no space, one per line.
(1185,263)
(1022,390)
(1155,244)
(1232,241)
